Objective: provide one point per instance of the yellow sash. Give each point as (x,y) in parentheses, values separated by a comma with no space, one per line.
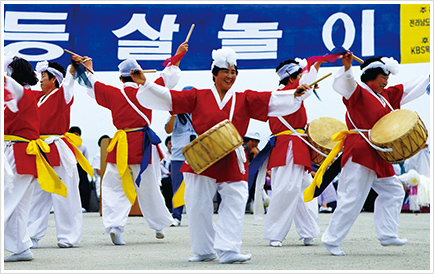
(47,177)
(76,141)
(317,180)
(120,139)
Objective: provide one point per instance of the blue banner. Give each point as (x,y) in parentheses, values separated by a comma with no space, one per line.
(262,35)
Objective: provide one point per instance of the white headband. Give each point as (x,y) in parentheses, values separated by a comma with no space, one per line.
(43,66)
(289,69)
(126,66)
(224,58)
(388,65)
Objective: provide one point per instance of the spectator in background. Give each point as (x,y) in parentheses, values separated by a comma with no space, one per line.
(84,183)
(251,142)
(181,128)
(96,164)
(166,180)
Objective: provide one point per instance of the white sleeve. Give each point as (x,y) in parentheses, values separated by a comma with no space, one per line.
(414,88)
(68,86)
(171,76)
(153,96)
(344,82)
(14,88)
(284,103)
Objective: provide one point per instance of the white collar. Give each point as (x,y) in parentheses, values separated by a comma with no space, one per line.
(130,84)
(379,97)
(228,95)
(44,98)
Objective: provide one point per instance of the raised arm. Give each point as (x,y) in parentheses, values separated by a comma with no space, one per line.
(344,82)
(151,95)
(415,88)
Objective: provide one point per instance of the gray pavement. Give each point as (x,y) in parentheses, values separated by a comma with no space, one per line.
(144,253)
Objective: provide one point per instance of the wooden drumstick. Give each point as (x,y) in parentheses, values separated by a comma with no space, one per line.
(320,79)
(316,82)
(149,71)
(189,33)
(81,62)
(358,59)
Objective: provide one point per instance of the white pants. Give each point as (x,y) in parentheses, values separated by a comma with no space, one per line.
(207,237)
(17,198)
(67,211)
(354,184)
(116,206)
(286,203)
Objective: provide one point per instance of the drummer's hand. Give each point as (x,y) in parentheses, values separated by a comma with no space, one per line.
(138,76)
(181,49)
(87,61)
(301,90)
(347,59)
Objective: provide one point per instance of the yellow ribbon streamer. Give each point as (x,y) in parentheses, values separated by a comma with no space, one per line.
(289,132)
(178,197)
(317,180)
(120,139)
(76,141)
(47,177)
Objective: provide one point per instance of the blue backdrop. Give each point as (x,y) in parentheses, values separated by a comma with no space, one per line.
(263,35)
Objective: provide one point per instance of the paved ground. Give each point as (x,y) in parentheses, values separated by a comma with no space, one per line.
(144,252)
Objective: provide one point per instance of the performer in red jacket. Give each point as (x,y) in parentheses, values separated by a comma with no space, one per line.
(229,175)
(133,161)
(54,104)
(362,167)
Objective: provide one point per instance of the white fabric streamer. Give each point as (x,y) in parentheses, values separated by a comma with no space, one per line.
(258,205)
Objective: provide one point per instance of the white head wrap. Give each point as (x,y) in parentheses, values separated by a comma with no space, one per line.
(43,66)
(224,58)
(126,66)
(7,61)
(289,69)
(388,65)
(253,135)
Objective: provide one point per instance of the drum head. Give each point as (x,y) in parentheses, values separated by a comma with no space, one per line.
(322,129)
(393,126)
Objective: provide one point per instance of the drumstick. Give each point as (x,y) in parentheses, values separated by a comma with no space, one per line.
(358,59)
(189,33)
(145,71)
(81,62)
(320,79)
(316,82)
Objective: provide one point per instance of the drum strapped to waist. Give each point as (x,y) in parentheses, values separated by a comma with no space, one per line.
(211,146)
(403,131)
(319,133)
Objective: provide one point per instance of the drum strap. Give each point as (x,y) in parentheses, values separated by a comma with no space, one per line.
(239,151)
(360,131)
(292,131)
